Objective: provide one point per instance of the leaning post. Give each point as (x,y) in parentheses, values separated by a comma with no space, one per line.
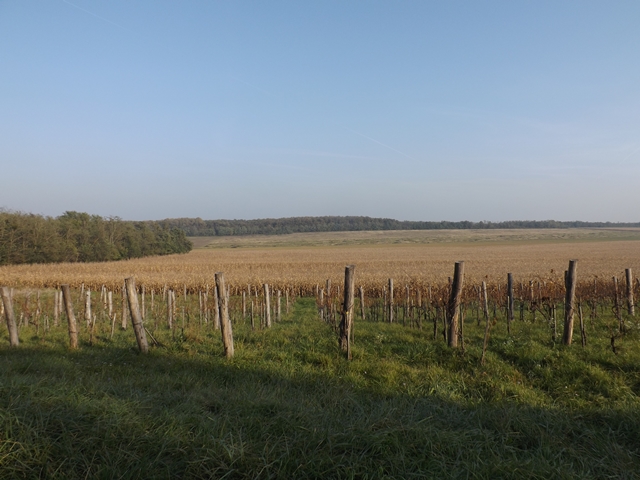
(225,323)
(10,316)
(136,317)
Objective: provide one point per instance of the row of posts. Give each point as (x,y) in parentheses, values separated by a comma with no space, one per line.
(454,323)
(134,310)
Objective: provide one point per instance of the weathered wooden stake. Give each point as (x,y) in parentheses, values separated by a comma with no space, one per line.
(56,307)
(136,317)
(361,291)
(453,307)
(10,316)
(110,304)
(216,309)
(225,323)
(347,310)
(124,308)
(87,307)
(143,310)
(485,301)
(487,326)
(169,310)
(286,294)
(244,305)
(569,301)
(73,329)
(278,308)
(390,303)
(630,305)
(267,297)
(509,302)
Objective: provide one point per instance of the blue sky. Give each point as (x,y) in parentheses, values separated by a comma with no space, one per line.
(425,110)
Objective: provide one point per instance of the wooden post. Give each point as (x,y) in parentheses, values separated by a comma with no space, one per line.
(143,310)
(225,323)
(390,303)
(278,309)
(169,311)
(569,301)
(327,310)
(485,343)
(56,307)
(286,294)
(87,307)
(124,308)
(485,301)
(10,316)
(73,330)
(509,302)
(361,291)
(630,306)
(347,310)
(110,304)
(136,317)
(216,309)
(267,306)
(244,305)
(453,307)
(407,300)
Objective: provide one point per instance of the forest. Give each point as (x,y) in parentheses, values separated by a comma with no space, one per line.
(195,227)
(81,237)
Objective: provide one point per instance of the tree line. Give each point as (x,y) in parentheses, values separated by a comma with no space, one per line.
(195,227)
(80,237)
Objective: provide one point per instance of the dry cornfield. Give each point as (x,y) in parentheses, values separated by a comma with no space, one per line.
(538,259)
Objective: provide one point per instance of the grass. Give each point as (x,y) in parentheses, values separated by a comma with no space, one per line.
(289,406)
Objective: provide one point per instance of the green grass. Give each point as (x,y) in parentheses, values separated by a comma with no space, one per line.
(289,406)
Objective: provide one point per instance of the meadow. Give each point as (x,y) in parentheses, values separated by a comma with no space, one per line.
(289,405)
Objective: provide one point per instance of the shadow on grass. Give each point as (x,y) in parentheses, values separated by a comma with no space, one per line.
(108,412)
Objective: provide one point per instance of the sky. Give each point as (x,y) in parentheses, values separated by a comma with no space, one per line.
(413,110)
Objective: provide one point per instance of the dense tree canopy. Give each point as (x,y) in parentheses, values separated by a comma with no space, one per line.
(80,237)
(197,227)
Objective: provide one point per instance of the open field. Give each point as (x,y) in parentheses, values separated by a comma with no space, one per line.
(529,255)
(420,237)
(288,405)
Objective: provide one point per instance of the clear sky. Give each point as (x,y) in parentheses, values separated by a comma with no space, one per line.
(425,110)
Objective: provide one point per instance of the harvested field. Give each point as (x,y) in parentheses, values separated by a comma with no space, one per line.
(529,255)
(421,237)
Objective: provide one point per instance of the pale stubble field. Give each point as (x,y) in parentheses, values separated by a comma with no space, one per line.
(423,257)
